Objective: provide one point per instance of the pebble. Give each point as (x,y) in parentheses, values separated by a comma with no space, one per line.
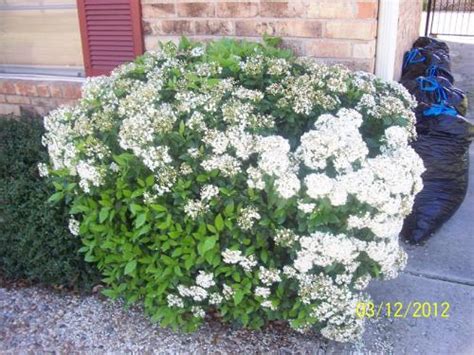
(41,320)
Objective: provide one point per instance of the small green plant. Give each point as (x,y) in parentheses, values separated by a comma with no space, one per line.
(233,176)
(35,243)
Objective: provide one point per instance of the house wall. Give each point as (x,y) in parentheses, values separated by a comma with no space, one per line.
(334,31)
(36,95)
(408,30)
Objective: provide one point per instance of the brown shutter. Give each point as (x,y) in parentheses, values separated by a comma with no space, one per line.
(111,33)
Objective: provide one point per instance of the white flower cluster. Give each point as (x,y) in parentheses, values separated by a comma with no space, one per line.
(74,226)
(236,257)
(247,218)
(320,145)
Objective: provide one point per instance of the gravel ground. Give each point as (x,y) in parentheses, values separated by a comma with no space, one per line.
(40,320)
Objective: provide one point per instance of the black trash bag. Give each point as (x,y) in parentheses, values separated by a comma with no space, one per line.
(434,70)
(418,60)
(431,44)
(443,144)
(437,90)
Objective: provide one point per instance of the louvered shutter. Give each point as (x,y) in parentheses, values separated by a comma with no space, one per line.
(111,33)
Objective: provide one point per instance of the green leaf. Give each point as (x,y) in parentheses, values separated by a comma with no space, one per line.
(236,276)
(150,180)
(158,208)
(140,221)
(207,244)
(130,267)
(134,208)
(238,296)
(229,209)
(211,228)
(219,223)
(109,293)
(56,197)
(104,213)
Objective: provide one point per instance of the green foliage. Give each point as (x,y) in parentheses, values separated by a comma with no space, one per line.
(35,243)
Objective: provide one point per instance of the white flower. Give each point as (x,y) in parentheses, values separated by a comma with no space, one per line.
(174,301)
(268,304)
(236,257)
(197,51)
(205,280)
(74,226)
(247,218)
(195,208)
(285,237)
(306,207)
(287,185)
(231,256)
(196,293)
(90,175)
(318,185)
(208,192)
(198,312)
(262,292)
(114,167)
(227,291)
(43,170)
(269,276)
(215,298)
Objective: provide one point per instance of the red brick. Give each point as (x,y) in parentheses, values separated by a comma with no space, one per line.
(237,9)
(292,28)
(351,29)
(327,48)
(214,27)
(363,49)
(178,27)
(7,87)
(42,90)
(62,102)
(269,8)
(43,101)
(71,91)
(147,27)
(330,9)
(196,9)
(56,90)
(3,99)
(25,88)
(16,99)
(296,45)
(158,10)
(367,10)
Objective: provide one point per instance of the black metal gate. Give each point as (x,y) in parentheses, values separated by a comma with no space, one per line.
(449,17)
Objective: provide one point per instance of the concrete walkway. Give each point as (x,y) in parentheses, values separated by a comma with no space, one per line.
(442,270)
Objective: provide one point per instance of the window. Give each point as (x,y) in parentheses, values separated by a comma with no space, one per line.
(40,35)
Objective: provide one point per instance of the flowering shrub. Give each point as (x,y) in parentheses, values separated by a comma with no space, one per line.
(232,176)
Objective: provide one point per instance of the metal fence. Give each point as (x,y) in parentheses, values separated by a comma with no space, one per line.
(449,18)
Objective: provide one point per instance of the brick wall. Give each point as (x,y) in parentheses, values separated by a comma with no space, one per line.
(19,96)
(408,30)
(341,31)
